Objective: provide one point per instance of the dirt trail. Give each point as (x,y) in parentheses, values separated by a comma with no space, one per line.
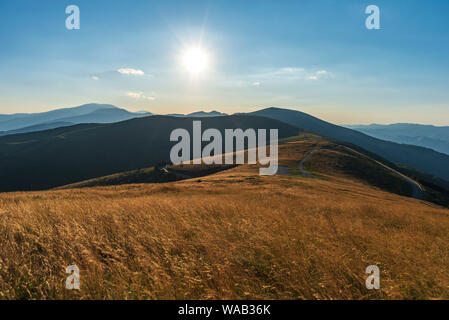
(417,189)
(301,164)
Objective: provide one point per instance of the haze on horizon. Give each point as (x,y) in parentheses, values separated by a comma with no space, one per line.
(230,56)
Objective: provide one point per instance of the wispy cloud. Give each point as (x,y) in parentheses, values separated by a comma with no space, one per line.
(131,71)
(95,78)
(319,75)
(256,84)
(139,95)
(289,72)
(293,73)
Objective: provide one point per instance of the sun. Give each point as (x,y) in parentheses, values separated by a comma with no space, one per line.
(195,60)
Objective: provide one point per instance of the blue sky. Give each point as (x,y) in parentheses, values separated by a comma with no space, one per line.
(314,56)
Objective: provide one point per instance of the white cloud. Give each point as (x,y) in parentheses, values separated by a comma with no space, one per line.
(290,72)
(293,73)
(139,95)
(131,71)
(95,78)
(320,74)
(256,84)
(134,95)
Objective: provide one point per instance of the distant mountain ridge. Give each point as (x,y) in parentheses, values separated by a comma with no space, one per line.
(419,158)
(199,114)
(436,138)
(88,113)
(38,127)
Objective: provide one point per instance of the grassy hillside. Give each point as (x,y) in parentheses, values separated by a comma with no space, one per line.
(47,159)
(151,175)
(233,234)
(419,158)
(146,175)
(332,159)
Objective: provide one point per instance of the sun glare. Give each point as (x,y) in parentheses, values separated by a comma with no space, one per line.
(195,60)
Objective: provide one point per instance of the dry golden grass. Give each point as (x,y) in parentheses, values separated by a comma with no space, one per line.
(233,235)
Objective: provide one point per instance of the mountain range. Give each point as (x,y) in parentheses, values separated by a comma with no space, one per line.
(74,144)
(88,113)
(199,114)
(436,138)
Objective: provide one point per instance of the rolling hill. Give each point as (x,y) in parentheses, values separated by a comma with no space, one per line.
(230,235)
(321,159)
(324,158)
(419,158)
(61,156)
(429,163)
(155,174)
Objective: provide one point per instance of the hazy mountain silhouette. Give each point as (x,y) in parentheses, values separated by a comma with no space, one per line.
(38,127)
(105,116)
(436,138)
(420,158)
(206,114)
(199,114)
(88,113)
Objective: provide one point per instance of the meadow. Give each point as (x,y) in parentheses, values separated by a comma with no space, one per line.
(230,235)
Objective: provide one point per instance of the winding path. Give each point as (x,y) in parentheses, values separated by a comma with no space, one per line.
(417,189)
(301,164)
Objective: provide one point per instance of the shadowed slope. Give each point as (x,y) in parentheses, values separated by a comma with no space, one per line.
(67,155)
